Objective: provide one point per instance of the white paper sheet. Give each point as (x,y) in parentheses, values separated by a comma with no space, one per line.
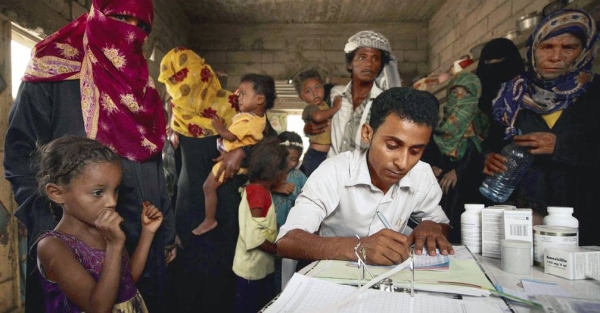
(536,287)
(306,294)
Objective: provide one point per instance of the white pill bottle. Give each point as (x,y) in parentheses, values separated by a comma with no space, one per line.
(470,227)
(560,216)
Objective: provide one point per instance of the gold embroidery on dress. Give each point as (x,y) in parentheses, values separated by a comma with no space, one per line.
(108,104)
(148,145)
(129,101)
(117,60)
(49,66)
(92,58)
(67,50)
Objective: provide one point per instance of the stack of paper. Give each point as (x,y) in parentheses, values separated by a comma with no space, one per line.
(422,263)
(305,294)
(432,263)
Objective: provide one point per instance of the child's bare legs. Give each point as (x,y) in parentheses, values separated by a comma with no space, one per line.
(210,205)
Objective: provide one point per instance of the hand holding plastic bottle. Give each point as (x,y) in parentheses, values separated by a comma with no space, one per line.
(538,142)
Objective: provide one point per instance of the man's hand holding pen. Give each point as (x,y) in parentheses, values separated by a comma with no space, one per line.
(389,247)
(427,234)
(386,247)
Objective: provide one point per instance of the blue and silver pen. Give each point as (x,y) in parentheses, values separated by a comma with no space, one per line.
(384,220)
(412,271)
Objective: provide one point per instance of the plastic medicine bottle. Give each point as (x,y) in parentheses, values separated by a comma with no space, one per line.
(498,187)
(560,216)
(470,223)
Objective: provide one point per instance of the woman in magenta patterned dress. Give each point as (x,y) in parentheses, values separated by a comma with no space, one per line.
(90,79)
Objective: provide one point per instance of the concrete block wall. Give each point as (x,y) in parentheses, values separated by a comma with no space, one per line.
(9,239)
(462,24)
(281,50)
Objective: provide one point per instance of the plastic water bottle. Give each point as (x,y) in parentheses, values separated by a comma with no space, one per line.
(498,187)
(470,227)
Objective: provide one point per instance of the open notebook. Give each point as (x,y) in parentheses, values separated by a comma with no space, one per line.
(462,275)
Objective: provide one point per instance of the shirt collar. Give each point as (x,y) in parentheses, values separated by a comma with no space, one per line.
(359,175)
(375,91)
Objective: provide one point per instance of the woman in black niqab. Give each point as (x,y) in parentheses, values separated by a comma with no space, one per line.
(500,61)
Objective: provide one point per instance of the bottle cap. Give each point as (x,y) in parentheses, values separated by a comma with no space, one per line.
(473,206)
(560,209)
(512,243)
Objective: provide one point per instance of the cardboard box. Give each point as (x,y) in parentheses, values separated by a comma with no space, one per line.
(492,231)
(572,263)
(518,225)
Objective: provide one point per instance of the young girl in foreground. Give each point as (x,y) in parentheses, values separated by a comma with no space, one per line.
(83,263)
(254,260)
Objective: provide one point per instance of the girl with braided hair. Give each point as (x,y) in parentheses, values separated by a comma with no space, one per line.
(284,195)
(83,264)
(91,79)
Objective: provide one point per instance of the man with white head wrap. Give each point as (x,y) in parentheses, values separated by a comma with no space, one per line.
(373,69)
(388,77)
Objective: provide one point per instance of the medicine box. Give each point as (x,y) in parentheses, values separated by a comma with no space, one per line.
(518,225)
(492,230)
(572,263)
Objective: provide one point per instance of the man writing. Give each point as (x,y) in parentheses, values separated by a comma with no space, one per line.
(343,195)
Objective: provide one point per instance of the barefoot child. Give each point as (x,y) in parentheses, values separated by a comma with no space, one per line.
(256,95)
(83,263)
(254,260)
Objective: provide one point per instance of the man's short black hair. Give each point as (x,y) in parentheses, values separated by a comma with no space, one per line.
(417,106)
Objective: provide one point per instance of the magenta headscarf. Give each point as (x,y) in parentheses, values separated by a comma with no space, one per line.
(121,107)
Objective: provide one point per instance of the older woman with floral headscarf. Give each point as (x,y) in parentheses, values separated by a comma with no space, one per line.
(372,66)
(458,138)
(554,111)
(90,78)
